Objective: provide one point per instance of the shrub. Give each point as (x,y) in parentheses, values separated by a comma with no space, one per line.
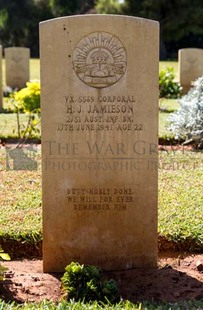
(168,88)
(187,121)
(108,7)
(3,256)
(84,282)
(27,100)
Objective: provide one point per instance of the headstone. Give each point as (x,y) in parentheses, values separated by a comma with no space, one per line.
(99,95)
(17,66)
(190,61)
(1,86)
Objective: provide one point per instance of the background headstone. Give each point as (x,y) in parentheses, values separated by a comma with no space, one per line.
(190,62)
(17,66)
(1,82)
(99,96)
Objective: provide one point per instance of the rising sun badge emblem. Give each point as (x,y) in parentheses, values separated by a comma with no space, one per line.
(99,59)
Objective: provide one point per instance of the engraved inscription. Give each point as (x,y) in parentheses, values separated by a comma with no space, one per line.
(100,113)
(101,199)
(99,59)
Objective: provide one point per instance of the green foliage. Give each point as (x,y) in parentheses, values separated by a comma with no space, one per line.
(180,202)
(3,256)
(168,105)
(70,7)
(189,21)
(108,7)
(2,270)
(19,19)
(122,305)
(168,88)
(3,18)
(63,7)
(19,22)
(9,125)
(84,283)
(27,100)
(188,119)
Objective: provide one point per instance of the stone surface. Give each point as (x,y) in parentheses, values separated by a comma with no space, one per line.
(1,84)
(17,66)
(99,94)
(190,61)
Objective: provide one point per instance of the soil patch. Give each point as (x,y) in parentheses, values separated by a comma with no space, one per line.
(177,278)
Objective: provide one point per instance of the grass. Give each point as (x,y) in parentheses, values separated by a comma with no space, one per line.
(9,124)
(164,131)
(8,121)
(180,198)
(179,188)
(34,69)
(180,202)
(169,64)
(168,105)
(179,191)
(22,201)
(9,127)
(180,206)
(125,305)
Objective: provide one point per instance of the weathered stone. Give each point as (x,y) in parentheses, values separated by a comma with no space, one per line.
(17,66)
(190,61)
(99,95)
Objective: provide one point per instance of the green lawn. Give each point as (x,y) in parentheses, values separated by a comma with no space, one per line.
(180,198)
(8,121)
(180,217)
(9,124)
(9,127)
(34,69)
(166,107)
(123,305)
(173,64)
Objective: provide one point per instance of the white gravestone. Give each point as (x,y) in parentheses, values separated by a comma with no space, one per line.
(99,95)
(17,66)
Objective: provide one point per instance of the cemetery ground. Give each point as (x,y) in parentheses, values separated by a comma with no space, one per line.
(177,283)
(179,277)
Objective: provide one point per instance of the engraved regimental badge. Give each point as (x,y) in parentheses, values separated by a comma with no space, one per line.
(99,59)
